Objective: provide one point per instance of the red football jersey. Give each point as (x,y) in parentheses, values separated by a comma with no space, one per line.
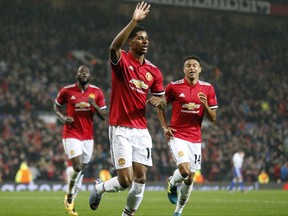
(187,109)
(77,106)
(131,83)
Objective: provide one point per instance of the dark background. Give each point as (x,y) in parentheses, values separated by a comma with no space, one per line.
(245,55)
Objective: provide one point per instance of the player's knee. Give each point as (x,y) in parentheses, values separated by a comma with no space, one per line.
(140,180)
(185,172)
(77,168)
(189,179)
(125,182)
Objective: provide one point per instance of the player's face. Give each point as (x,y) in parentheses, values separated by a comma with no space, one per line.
(83,75)
(139,44)
(192,69)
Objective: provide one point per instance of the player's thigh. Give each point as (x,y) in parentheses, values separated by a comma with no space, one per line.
(179,150)
(87,150)
(120,147)
(125,175)
(142,148)
(195,156)
(139,172)
(72,147)
(185,152)
(237,172)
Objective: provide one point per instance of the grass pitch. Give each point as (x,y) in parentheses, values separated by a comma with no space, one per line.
(204,203)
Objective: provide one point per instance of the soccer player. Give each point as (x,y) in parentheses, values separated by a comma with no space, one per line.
(191,99)
(81,100)
(237,159)
(130,142)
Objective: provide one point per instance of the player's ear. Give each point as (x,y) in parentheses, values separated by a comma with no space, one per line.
(184,69)
(129,41)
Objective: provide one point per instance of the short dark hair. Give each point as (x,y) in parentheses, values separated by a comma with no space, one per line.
(138,28)
(193,57)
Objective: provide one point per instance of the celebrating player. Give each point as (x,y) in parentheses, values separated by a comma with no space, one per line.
(132,78)
(82,100)
(190,99)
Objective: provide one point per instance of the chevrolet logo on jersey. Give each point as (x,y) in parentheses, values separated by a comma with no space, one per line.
(191,106)
(139,84)
(82,105)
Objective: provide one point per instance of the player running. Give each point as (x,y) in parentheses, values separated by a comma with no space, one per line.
(130,142)
(191,98)
(82,100)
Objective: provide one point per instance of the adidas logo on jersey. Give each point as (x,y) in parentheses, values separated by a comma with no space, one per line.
(182,95)
(72,97)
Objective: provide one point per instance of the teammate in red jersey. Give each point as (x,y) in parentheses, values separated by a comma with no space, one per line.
(82,100)
(132,78)
(190,99)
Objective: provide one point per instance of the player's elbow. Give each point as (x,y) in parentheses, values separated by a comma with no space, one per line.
(213,119)
(162,104)
(104,115)
(212,116)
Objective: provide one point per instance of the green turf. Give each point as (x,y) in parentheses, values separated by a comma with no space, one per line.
(266,202)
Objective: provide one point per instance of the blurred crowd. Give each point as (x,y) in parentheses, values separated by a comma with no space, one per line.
(245,58)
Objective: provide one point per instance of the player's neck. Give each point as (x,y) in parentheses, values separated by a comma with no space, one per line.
(82,87)
(138,57)
(191,81)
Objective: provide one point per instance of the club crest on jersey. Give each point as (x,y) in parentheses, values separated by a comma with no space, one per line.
(91,96)
(149,76)
(191,106)
(180,153)
(121,161)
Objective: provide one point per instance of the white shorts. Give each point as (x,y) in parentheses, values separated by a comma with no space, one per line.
(185,151)
(74,147)
(129,145)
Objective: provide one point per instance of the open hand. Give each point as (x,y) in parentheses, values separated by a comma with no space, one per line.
(141,11)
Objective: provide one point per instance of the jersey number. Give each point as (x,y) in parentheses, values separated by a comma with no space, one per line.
(197,159)
(148,153)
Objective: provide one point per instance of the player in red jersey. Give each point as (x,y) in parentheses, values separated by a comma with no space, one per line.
(82,100)
(190,99)
(132,78)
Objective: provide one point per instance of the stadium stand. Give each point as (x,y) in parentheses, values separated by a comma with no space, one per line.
(245,58)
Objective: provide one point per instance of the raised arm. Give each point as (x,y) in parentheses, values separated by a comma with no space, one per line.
(140,12)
